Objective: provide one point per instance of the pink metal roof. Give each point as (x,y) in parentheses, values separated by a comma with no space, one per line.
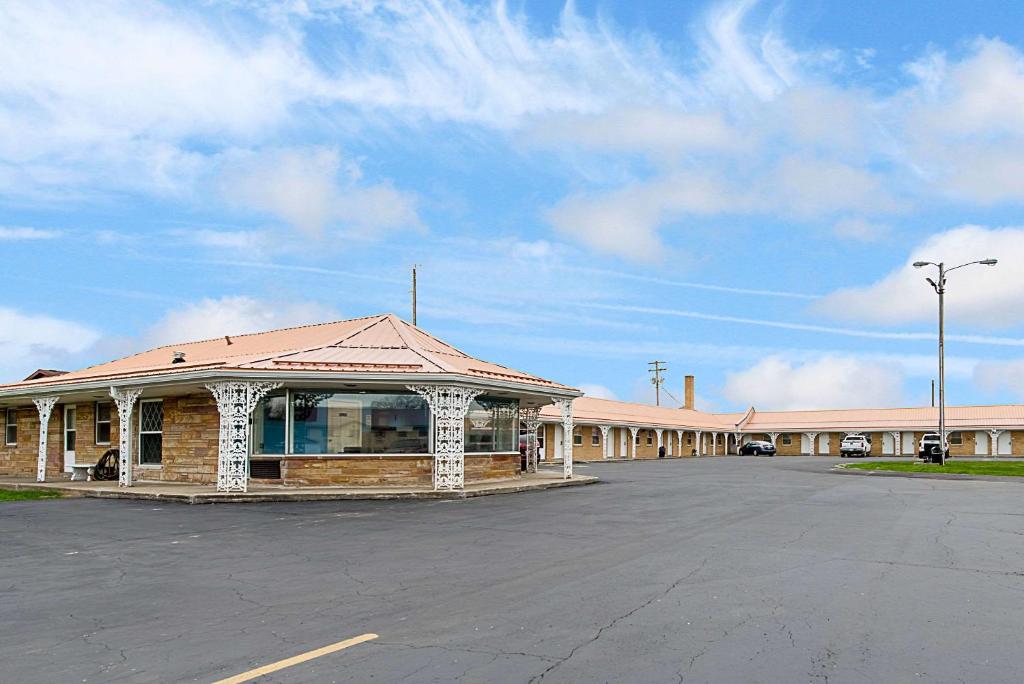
(610,412)
(376,344)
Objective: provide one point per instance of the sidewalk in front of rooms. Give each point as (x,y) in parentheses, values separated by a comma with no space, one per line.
(205,493)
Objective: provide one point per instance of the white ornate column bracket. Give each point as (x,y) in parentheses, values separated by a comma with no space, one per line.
(235,403)
(773,436)
(700,443)
(565,406)
(812,440)
(448,407)
(897,439)
(604,440)
(679,440)
(529,418)
(125,400)
(661,440)
(45,407)
(632,441)
(739,442)
(714,443)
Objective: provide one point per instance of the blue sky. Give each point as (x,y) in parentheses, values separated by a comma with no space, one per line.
(736,188)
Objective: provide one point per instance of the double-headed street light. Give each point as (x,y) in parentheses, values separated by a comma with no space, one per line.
(940,288)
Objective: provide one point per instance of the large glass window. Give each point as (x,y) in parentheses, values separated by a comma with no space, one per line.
(270,425)
(359,423)
(492,424)
(11,427)
(102,422)
(151,432)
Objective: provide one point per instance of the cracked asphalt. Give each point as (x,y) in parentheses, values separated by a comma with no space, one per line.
(706,570)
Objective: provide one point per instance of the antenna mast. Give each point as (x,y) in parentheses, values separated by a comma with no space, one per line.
(656,369)
(414,294)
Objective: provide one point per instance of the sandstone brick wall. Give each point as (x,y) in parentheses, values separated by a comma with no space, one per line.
(793,449)
(191,434)
(20,460)
(359,470)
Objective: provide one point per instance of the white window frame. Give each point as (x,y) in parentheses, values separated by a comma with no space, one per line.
(577,432)
(96,422)
(650,437)
(151,432)
(787,439)
(8,424)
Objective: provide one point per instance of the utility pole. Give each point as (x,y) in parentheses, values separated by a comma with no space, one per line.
(656,369)
(414,294)
(933,393)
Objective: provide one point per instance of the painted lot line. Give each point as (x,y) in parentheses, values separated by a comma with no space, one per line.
(296,660)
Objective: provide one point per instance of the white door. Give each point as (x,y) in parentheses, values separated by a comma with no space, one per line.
(888,444)
(1004,444)
(823,444)
(556,453)
(908,444)
(69,437)
(981,443)
(622,443)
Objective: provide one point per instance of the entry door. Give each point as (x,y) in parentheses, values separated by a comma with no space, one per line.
(69,437)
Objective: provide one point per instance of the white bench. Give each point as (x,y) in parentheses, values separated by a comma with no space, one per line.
(81,473)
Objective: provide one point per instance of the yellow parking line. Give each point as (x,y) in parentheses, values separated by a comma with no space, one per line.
(295,660)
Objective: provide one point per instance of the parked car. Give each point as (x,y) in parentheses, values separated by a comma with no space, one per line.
(854,445)
(757,448)
(928,447)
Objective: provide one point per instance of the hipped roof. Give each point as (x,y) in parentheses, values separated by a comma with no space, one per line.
(382,344)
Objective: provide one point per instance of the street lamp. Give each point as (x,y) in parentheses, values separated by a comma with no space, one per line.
(940,288)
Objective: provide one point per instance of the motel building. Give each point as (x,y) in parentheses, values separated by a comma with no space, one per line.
(368,402)
(604,429)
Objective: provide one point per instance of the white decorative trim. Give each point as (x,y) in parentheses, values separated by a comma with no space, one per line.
(994,441)
(632,440)
(565,406)
(529,418)
(45,407)
(812,438)
(604,440)
(448,407)
(235,403)
(700,443)
(124,399)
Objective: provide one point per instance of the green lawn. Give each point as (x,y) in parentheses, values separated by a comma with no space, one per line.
(27,494)
(1012,468)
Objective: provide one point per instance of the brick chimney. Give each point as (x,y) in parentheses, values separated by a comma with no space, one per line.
(688,392)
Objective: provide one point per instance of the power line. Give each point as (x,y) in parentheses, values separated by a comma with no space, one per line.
(656,369)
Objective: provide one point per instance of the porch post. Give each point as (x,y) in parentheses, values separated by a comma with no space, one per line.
(994,441)
(897,446)
(235,402)
(714,443)
(738,438)
(448,406)
(700,443)
(632,441)
(661,441)
(125,400)
(679,440)
(604,441)
(530,420)
(773,436)
(45,407)
(566,407)
(812,439)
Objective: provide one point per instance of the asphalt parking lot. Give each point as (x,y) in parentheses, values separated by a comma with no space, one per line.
(707,570)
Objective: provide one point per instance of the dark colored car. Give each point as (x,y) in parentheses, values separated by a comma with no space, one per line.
(757,448)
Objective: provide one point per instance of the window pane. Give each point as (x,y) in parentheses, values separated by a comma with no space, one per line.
(150,448)
(360,423)
(492,425)
(103,433)
(269,421)
(103,413)
(152,416)
(69,440)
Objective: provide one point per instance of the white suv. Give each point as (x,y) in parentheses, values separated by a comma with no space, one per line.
(929,445)
(855,445)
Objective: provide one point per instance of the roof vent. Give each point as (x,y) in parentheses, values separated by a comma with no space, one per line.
(179,357)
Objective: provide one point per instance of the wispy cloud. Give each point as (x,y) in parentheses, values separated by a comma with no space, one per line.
(691,285)
(13,233)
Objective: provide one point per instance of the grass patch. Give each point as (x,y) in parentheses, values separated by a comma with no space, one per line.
(28,494)
(1004,468)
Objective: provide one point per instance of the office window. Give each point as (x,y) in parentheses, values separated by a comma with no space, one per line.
(787,439)
(11,427)
(956,438)
(151,432)
(102,422)
(595,437)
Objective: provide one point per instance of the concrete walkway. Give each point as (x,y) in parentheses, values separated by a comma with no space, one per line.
(203,493)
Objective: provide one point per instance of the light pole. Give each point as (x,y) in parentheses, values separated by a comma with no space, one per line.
(940,288)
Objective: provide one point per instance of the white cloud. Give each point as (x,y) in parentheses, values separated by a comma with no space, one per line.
(210,318)
(247,242)
(596,391)
(309,189)
(860,230)
(991,297)
(29,341)
(994,376)
(19,233)
(828,382)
